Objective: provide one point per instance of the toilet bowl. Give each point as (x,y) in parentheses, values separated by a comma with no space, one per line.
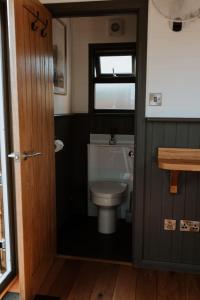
(107,196)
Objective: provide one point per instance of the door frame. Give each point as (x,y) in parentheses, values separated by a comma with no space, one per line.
(140,8)
(10,231)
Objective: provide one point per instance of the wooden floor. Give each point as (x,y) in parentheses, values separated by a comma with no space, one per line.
(87,280)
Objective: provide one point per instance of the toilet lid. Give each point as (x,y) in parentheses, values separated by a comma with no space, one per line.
(108,189)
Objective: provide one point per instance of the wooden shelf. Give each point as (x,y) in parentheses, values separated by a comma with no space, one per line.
(178,160)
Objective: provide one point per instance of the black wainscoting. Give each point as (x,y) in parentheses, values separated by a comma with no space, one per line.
(78,164)
(112,123)
(71,163)
(63,172)
(167,247)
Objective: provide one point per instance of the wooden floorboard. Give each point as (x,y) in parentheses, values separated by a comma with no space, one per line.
(171,285)
(85,281)
(126,284)
(105,283)
(51,277)
(192,287)
(146,285)
(91,280)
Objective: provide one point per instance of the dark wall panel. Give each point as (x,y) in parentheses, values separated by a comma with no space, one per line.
(78,164)
(63,176)
(71,163)
(167,246)
(107,124)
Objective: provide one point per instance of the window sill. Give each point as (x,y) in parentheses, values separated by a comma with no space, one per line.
(112,113)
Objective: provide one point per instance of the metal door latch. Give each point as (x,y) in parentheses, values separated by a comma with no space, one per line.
(23,156)
(15,156)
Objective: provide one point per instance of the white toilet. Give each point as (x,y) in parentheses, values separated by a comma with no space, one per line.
(107,196)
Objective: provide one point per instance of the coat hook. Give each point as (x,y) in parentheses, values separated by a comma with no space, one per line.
(43,33)
(34,27)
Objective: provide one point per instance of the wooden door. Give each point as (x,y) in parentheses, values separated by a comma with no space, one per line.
(33,133)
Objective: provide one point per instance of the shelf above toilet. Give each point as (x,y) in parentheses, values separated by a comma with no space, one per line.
(178,160)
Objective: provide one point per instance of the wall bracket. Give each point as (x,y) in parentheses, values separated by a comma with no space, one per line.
(174,177)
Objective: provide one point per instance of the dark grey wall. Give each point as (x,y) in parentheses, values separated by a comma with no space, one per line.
(71,163)
(167,246)
(172,250)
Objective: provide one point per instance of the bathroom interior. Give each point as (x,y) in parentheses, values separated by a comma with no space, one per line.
(94,133)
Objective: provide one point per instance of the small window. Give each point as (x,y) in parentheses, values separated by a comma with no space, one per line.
(109,96)
(112,77)
(116,65)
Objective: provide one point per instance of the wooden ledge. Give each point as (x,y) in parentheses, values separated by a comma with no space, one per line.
(179,165)
(178,160)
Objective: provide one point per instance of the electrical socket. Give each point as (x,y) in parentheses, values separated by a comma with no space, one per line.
(189,226)
(194,226)
(169,225)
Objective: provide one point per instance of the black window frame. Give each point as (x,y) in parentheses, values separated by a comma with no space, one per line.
(109,49)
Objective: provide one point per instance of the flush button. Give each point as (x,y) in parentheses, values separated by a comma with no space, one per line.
(155,99)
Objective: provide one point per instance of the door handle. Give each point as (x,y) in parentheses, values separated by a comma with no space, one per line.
(27,155)
(23,156)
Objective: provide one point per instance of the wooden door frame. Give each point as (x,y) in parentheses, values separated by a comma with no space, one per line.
(14,116)
(6,104)
(139,7)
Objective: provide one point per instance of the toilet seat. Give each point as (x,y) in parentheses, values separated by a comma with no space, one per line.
(108,193)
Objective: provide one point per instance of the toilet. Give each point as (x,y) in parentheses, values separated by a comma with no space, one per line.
(107,196)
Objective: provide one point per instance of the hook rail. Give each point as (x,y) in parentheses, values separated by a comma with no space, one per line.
(34,26)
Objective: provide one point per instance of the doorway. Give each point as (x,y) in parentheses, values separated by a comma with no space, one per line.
(87,125)
(40,263)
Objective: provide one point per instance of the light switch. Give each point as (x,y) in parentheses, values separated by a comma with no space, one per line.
(155,99)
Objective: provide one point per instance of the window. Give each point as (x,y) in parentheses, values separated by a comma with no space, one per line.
(116,64)
(112,77)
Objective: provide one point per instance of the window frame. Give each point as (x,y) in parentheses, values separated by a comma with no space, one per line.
(109,49)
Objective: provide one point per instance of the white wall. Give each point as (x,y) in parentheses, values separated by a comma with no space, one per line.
(173,67)
(91,30)
(62,103)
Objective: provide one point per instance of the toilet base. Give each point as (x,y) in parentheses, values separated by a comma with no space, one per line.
(107,220)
